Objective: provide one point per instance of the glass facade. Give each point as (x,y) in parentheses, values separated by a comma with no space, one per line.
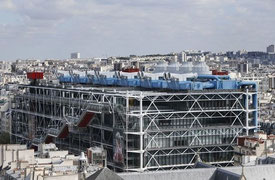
(157,130)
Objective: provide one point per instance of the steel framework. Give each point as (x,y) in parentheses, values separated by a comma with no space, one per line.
(160,130)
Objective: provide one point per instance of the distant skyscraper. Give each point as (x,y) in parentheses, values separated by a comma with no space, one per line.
(272,82)
(243,68)
(75,55)
(270,49)
(182,57)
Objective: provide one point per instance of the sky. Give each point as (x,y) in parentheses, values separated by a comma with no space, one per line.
(102,28)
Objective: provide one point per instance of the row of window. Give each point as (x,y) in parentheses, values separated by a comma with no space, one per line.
(191,138)
(187,158)
(188,141)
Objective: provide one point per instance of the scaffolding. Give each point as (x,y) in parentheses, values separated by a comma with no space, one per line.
(140,130)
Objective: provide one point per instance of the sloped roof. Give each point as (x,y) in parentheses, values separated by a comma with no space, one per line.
(231,173)
(104,174)
(202,165)
(224,174)
(186,174)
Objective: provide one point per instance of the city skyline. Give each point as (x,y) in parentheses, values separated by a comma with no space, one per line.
(53,29)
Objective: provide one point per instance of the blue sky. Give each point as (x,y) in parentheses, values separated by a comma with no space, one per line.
(95,28)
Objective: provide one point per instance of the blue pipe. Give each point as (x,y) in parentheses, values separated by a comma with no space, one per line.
(216,77)
(248,83)
(208,77)
(214,82)
(255,106)
(208,85)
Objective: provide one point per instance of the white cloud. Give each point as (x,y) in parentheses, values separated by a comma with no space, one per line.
(124,27)
(6,4)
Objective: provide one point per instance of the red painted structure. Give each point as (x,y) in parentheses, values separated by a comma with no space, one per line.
(215,72)
(49,139)
(84,121)
(240,141)
(130,70)
(64,132)
(35,75)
